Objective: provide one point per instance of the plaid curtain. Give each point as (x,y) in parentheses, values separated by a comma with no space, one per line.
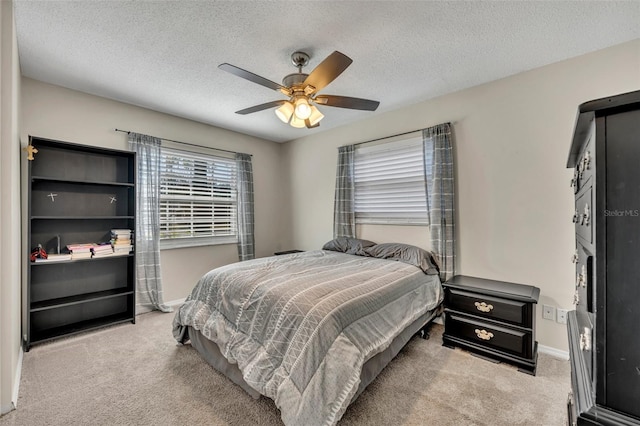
(246,244)
(438,163)
(147,232)
(344,223)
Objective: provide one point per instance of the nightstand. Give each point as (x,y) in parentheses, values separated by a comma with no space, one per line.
(492,319)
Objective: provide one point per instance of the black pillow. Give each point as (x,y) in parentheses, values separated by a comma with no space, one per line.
(406,253)
(348,245)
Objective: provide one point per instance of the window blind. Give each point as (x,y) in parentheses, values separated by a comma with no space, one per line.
(197,198)
(390,185)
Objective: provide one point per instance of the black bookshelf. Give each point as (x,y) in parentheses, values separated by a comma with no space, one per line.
(78,194)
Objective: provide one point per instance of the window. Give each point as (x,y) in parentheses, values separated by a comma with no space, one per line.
(390,184)
(197,199)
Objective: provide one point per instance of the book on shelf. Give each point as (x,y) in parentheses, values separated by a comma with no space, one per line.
(102,249)
(81,255)
(122,241)
(122,249)
(80,248)
(121,231)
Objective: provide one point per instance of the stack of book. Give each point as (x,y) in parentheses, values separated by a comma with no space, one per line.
(121,241)
(102,250)
(80,251)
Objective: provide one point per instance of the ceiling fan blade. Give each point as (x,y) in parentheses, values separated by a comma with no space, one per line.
(260,107)
(327,71)
(347,102)
(253,78)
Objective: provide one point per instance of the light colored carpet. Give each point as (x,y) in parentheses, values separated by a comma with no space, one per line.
(137,375)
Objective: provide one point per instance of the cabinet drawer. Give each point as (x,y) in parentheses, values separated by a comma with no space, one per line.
(585,280)
(583,217)
(585,166)
(498,309)
(512,341)
(585,340)
(586,161)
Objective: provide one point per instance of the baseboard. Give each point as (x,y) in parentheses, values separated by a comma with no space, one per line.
(556,353)
(175,303)
(143,309)
(16,386)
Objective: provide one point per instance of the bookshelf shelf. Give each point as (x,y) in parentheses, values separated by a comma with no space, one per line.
(81,326)
(80,182)
(81,298)
(77,195)
(80,217)
(93,259)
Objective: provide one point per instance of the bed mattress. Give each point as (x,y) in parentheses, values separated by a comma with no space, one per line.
(300,328)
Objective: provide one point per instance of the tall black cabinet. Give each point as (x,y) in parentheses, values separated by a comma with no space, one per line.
(604,341)
(77,195)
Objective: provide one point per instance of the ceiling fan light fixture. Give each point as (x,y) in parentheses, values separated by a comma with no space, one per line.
(297,122)
(315,116)
(285,112)
(302,108)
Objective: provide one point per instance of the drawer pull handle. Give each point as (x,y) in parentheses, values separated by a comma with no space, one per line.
(574,181)
(576,216)
(586,160)
(483,307)
(574,258)
(586,216)
(580,168)
(585,339)
(484,334)
(576,298)
(583,274)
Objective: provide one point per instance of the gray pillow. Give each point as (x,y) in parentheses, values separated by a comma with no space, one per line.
(406,253)
(348,245)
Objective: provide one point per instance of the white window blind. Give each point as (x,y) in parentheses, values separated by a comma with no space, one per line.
(390,184)
(197,199)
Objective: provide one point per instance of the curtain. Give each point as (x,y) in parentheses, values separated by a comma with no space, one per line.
(147,232)
(246,244)
(438,158)
(344,223)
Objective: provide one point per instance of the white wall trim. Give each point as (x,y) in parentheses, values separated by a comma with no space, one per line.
(143,309)
(556,353)
(176,303)
(16,387)
(16,384)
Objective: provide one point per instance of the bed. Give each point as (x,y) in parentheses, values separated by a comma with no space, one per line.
(310,330)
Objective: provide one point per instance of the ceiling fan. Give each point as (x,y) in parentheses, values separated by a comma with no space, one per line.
(302,89)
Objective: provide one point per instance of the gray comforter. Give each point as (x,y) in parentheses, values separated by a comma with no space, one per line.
(301,326)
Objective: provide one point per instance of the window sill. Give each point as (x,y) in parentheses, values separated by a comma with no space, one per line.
(188,243)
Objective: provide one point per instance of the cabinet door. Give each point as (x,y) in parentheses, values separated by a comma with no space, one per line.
(621,372)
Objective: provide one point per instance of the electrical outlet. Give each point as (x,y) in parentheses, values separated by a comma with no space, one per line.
(562,316)
(549,312)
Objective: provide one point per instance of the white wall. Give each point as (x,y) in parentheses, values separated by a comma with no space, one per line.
(511,141)
(58,113)
(10,244)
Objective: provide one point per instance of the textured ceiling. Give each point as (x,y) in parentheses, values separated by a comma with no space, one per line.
(163,55)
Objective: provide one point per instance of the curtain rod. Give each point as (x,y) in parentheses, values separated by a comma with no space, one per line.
(186,143)
(393,136)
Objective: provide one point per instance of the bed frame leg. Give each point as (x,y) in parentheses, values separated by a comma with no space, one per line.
(424,334)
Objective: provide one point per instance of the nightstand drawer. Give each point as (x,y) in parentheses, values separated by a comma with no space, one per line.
(512,311)
(513,341)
